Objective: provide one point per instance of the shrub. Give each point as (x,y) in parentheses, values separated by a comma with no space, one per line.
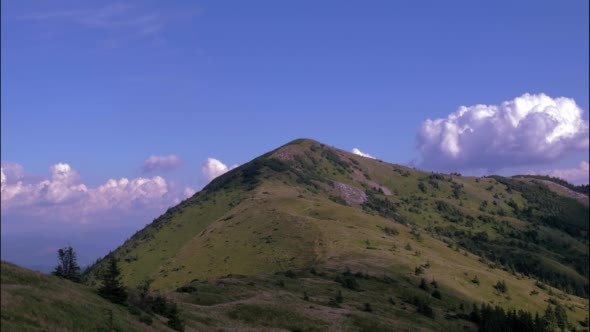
(422,307)
(348,281)
(437,294)
(424,285)
(333,303)
(390,231)
(174,320)
(501,286)
(434,283)
(186,289)
(418,270)
(146,319)
(367,307)
(339,298)
(338,199)
(134,310)
(422,187)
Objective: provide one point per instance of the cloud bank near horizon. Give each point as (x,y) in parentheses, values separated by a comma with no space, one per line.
(577,175)
(361,153)
(532,129)
(64,197)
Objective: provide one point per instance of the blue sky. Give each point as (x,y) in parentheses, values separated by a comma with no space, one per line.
(101,86)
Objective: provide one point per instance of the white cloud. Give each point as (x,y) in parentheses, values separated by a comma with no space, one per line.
(188,192)
(579,175)
(362,154)
(213,168)
(114,25)
(65,197)
(528,130)
(108,17)
(161,163)
(12,171)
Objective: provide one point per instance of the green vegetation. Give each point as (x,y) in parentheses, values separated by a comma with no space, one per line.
(32,301)
(273,244)
(111,288)
(68,267)
(584,188)
(501,286)
(491,319)
(275,316)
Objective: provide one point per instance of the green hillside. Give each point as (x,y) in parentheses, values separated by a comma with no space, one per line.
(32,301)
(307,205)
(309,237)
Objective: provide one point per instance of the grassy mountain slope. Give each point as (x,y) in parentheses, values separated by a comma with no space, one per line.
(306,205)
(32,301)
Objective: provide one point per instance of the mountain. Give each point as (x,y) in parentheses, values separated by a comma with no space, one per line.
(309,237)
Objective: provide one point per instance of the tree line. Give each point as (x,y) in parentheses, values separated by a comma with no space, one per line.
(112,288)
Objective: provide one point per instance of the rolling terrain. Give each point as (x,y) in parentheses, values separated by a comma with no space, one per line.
(309,237)
(32,301)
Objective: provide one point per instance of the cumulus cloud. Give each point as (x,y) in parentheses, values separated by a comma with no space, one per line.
(361,153)
(528,130)
(188,192)
(160,163)
(213,168)
(578,175)
(11,171)
(65,197)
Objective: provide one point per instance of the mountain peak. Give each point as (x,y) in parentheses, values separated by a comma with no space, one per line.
(309,204)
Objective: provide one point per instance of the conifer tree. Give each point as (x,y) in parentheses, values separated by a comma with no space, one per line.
(560,316)
(549,318)
(68,266)
(538,324)
(112,288)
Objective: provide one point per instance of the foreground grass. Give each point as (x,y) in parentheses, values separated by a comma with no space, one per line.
(31,301)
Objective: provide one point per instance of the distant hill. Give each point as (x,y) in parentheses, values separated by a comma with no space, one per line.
(583,189)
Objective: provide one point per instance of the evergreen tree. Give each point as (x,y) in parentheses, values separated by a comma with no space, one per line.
(549,318)
(68,266)
(538,324)
(560,316)
(475,314)
(174,320)
(112,288)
